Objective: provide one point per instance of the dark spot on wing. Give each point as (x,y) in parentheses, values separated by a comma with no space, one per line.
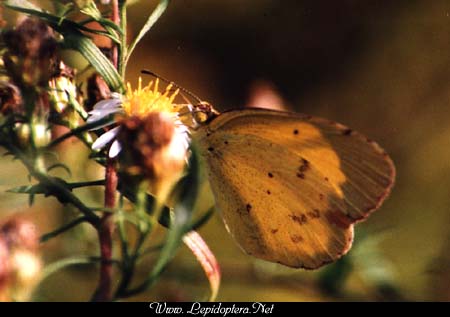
(249,207)
(303,218)
(314,214)
(295,131)
(210,149)
(225,142)
(270,174)
(268,192)
(301,175)
(208,133)
(321,196)
(326,179)
(305,165)
(347,132)
(296,238)
(273,231)
(299,219)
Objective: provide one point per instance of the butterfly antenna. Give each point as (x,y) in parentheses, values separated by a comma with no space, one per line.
(147,72)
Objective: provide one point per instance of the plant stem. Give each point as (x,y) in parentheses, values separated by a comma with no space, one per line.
(105,231)
(58,190)
(106,228)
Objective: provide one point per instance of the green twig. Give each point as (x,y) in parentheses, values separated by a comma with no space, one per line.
(63,229)
(77,131)
(100,182)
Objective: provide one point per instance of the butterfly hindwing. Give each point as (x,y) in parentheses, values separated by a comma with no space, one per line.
(290,186)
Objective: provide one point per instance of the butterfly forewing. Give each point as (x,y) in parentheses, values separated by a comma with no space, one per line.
(290,186)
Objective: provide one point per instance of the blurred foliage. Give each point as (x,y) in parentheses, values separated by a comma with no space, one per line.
(381,67)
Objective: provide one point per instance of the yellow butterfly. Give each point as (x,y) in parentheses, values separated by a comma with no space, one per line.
(289,186)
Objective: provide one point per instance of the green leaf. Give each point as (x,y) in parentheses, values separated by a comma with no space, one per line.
(203,219)
(22,4)
(59,22)
(90,9)
(29,189)
(60,165)
(152,19)
(61,264)
(78,131)
(63,229)
(77,41)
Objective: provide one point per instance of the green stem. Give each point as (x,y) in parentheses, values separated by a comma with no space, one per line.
(78,131)
(100,182)
(58,190)
(123,38)
(144,228)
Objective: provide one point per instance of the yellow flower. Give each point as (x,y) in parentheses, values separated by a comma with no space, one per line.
(149,134)
(144,100)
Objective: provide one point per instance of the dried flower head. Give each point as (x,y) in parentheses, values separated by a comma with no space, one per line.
(31,52)
(154,150)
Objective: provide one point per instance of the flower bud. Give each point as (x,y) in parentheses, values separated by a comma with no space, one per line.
(41,134)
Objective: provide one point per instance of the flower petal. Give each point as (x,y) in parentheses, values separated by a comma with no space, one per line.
(105,138)
(96,115)
(115,149)
(103,104)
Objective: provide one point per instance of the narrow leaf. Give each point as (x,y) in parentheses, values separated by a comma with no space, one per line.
(81,43)
(206,259)
(62,229)
(156,14)
(60,165)
(21,3)
(29,189)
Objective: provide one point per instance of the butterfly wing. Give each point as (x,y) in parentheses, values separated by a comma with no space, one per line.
(290,186)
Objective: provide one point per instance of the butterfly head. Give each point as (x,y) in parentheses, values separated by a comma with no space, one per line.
(203,112)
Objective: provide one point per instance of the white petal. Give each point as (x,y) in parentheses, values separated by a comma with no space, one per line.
(96,115)
(105,138)
(107,103)
(115,149)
